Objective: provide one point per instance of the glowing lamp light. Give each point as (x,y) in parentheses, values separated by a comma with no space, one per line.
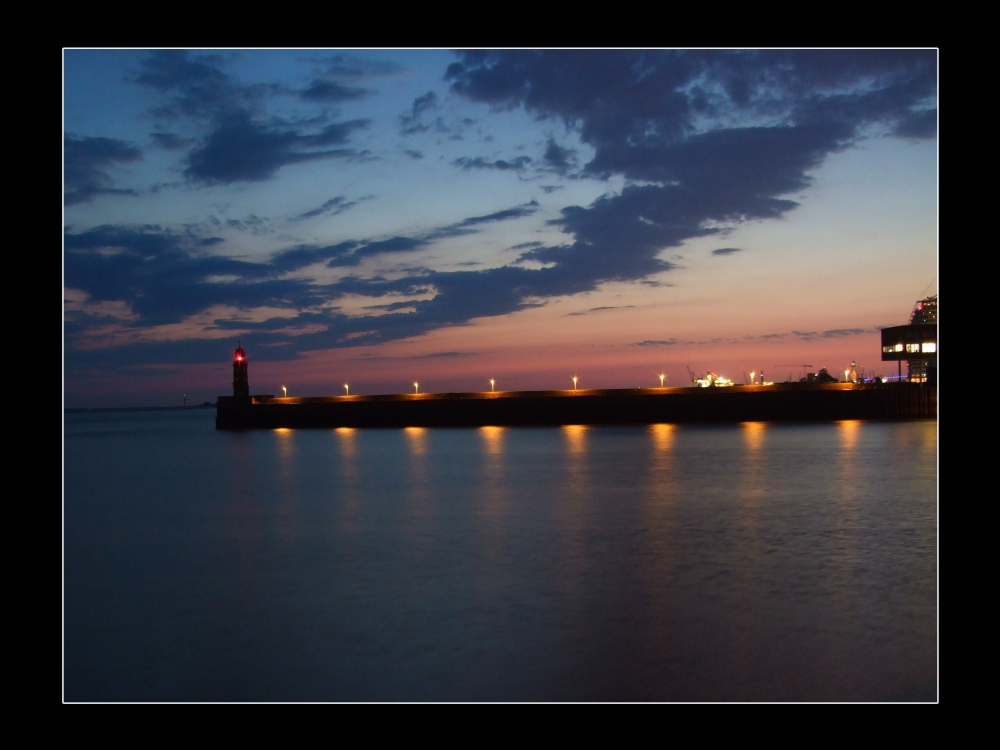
(661,380)
(574,383)
(492,383)
(347,388)
(416,387)
(751,377)
(285,391)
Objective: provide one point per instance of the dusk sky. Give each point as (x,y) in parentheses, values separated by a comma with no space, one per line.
(379,217)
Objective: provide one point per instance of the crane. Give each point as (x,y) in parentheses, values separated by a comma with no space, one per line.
(803,366)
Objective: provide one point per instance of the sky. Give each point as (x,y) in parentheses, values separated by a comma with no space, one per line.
(384,217)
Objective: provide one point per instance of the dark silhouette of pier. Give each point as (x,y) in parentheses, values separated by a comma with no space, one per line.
(785,402)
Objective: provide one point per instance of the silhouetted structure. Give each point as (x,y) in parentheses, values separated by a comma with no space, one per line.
(916,343)
(780,402)
(825,377)
(241,383)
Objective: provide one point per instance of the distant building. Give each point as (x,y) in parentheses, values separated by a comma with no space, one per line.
(823,377)
(916,343)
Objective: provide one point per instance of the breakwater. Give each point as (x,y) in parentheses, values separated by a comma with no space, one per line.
(776,403)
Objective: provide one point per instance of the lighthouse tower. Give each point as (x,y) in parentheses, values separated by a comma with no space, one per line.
(241,385)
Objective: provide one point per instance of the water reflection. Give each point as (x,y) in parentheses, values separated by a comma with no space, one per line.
(663,436)
(285,440)
(492,439)
(848,430)
(576,435)
(347,438)
(288,479)
(416,438)
(702,562)
(416,442)
(347,484)
(753,435)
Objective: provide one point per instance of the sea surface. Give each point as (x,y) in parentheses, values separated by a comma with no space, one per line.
(750,562)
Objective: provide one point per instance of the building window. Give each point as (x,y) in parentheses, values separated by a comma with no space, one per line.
(888,349)
(928,347)
(899,347)
(913,347)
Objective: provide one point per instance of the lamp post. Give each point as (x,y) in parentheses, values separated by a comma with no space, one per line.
(574,383)
(492,383)
(751,377)
(347,388)
(285,391)
(661,379)
(416,387)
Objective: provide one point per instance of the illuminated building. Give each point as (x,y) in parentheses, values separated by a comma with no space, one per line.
(241,384)
(915,342)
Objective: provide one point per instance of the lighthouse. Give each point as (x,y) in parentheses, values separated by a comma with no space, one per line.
(241,385)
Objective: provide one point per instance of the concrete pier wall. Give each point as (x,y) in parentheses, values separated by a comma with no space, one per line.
(781,403)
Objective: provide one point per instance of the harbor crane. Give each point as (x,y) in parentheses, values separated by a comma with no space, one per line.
(803,366)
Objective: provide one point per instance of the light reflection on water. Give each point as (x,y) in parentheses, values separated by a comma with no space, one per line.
(733,562)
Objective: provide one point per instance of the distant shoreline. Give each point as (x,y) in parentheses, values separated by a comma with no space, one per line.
(88,410)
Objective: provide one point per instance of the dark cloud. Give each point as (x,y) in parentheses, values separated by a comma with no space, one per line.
(918,125)
(551,188)
(704,140)
(347,66)
(352,253)
(170,141)
(517,212)
(85,165)
(838,332)
(599,309)
(331,91)
(726,251)
(308,255)
(714,137)
(240,149)
(442,355)
(807,335)
(251,223)
(413,154)
(559,158)
(196,86)
(164,276)
(332,207)
(412,121)
(242,143)
(517,164)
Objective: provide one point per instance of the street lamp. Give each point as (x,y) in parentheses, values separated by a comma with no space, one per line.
(751,377)
(416,387)
(347,388)
(492,383)
(285,390)
(661,379)
(574,383)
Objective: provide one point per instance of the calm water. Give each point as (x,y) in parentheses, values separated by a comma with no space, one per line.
(742,562)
